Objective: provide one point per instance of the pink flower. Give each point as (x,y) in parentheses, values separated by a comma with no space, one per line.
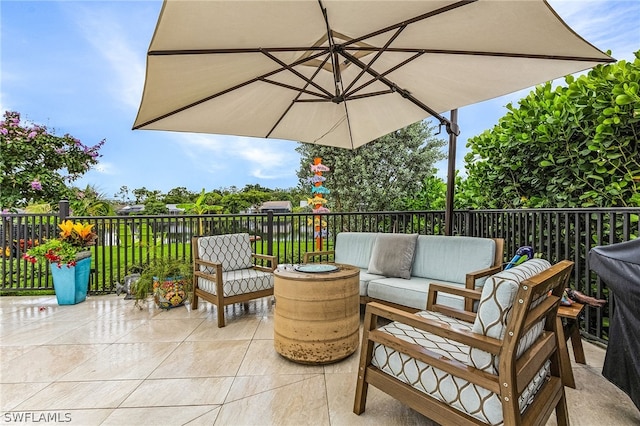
(32,135)
(36,185)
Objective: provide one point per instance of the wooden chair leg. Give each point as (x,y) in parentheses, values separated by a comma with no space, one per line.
(366,354)
(562,412)
(220,309)
(576,343)
(563,352)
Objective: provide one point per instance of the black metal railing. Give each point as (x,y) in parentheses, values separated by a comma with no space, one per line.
(125,242)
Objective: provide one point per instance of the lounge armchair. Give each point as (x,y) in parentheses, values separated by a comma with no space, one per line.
(224,272)
(499,366)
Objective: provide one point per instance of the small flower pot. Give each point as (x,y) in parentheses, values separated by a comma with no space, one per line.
(170,292)
(71,282)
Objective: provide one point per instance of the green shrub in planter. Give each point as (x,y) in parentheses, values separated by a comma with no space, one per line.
(167,279)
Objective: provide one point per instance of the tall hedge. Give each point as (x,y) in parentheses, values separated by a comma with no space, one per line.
(567,146)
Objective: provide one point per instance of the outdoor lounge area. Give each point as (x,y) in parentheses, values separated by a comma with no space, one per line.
(105,362)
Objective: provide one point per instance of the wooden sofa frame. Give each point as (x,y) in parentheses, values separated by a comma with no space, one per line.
(513,374)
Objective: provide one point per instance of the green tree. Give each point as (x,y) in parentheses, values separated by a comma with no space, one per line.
(379,175)
(142,194)
(90,202)
(123,195)
(36,165)
(572,146)
(431,195)
(179,195)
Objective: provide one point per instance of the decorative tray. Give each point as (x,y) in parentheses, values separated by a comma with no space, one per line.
(315,268)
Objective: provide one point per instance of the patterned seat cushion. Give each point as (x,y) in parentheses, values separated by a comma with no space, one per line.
(233,251)
(464,396)
(239,282)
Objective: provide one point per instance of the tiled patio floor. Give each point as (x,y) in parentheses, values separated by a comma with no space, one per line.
(104,362)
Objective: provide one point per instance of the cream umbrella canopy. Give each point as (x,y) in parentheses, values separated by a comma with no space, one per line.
(344,72)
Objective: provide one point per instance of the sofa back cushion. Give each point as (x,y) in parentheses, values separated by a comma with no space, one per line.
(392,255)
(233,251)
(446,258)
(354,248)
(495,307)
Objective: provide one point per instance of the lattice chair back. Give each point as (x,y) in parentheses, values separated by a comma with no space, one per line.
(233,251)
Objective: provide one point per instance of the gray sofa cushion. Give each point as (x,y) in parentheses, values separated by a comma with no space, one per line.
(392,255)
(450,259)
(354,248)
(412,293)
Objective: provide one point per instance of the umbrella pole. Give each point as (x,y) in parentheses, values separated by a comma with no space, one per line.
(451,174)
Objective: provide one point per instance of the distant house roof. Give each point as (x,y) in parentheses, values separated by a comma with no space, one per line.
(137,208)
(276,206)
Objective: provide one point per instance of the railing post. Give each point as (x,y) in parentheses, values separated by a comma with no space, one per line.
(270,232)
(63,208)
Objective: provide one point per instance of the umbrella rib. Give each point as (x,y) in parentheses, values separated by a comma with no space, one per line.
(230,89)
(238,50)
(375,58)
(297,97)
(412,20)
(390,70)
(294,88)
(404,93)
(482,53)
(290,68)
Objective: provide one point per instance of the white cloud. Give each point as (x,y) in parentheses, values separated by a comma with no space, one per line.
(105,32)
(106,168)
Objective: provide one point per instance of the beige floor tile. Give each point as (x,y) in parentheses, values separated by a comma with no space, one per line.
(262,359)
(51,363)
(381,409)
(121,361)
(185,392)
(265,329)
(80,395)
(246,386)
(99,331)
(38,333)
(162,330)
(15,393)
(243,328)
(160,416)
(48,362)
(299,403)
(8,353)
(203,359)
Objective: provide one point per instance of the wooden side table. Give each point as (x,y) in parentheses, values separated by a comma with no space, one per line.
(317,315)
(565,331)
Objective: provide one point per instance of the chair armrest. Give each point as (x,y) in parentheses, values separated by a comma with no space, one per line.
(310,254)
(470,295)
(439,328)
(271,259)
(471,277)
(198,262)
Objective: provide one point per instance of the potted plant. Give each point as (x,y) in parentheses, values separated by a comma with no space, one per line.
(167,279)
(69,258)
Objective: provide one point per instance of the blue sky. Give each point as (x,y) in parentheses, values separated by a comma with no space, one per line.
(78,67)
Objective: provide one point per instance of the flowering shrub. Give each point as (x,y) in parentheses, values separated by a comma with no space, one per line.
(38,164)
(74,238)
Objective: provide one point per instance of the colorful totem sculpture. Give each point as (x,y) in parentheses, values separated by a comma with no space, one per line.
(318,192)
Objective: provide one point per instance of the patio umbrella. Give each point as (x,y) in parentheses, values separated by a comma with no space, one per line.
(342,73)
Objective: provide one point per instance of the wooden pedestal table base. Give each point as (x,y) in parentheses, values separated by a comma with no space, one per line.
(317,315)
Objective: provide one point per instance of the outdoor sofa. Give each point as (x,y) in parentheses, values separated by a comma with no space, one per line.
(397,269)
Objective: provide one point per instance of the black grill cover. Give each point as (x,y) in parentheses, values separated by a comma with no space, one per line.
(618,265)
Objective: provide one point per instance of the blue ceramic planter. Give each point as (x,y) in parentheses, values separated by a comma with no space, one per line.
(71,284)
